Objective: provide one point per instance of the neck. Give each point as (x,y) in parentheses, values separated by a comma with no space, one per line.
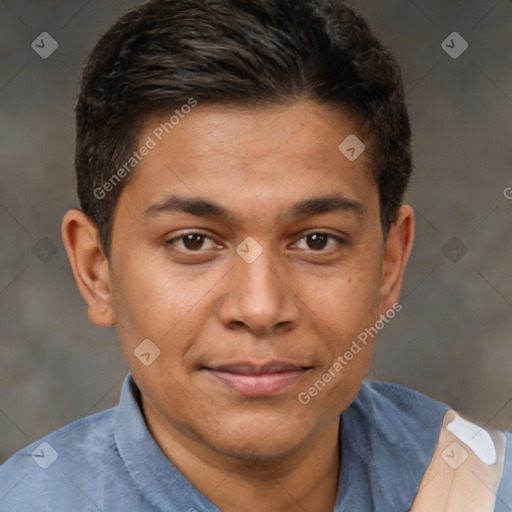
(306,479)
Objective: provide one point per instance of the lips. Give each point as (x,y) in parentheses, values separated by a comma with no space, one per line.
(257,379)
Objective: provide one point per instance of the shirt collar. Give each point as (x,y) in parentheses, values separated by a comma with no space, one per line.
(155,475)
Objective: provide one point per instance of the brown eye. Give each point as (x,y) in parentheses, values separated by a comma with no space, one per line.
(193,241)
(320,241)
(317,241)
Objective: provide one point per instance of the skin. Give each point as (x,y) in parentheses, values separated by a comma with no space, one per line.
(298,302)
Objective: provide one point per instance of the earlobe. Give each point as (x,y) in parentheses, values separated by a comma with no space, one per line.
(397,251)
(90,266)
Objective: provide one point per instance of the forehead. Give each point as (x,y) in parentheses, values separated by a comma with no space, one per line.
(239,156)
(305,130)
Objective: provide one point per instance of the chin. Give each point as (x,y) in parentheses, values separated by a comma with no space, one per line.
(266,436)
(259,450)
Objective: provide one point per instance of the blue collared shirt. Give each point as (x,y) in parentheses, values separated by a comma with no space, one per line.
(110,462)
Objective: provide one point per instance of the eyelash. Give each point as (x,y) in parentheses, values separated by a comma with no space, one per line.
(340,241)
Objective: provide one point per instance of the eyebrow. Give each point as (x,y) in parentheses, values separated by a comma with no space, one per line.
(191,205)
(201,207)
(327,204)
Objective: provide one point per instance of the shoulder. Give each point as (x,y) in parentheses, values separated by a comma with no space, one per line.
(70,457)
(408,433)
(83,439)
(391,430)
(392,406)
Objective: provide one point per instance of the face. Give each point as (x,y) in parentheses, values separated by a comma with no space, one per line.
(249,250)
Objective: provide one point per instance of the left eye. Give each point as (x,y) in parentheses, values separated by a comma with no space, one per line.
(191,241)
(319,241)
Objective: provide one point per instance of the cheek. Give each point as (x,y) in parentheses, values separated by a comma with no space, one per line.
(346,300)
(151,296)
(168,308)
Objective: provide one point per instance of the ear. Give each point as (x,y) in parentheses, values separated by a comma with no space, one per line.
(90,266)
(398,248)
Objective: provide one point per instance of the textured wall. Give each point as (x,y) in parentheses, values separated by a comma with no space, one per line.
(453,338)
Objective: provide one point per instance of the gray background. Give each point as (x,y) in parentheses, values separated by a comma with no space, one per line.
(452,340)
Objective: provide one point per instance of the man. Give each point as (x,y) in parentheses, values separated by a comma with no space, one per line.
(241,168)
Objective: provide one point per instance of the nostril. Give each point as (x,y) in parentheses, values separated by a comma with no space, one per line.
(283,327)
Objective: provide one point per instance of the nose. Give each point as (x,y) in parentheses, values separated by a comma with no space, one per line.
(260,297)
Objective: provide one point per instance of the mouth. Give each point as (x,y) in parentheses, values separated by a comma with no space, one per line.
(257,380)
